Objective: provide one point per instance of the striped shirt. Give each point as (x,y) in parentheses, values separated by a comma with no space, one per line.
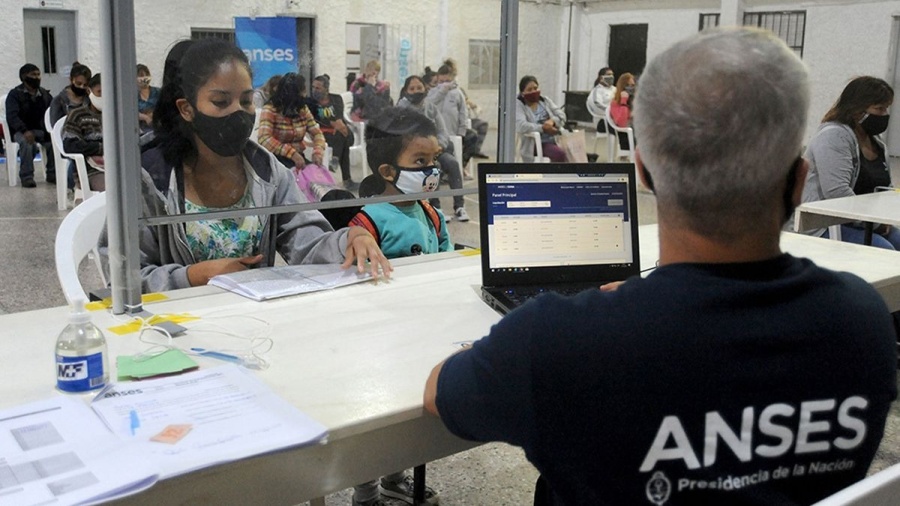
(284,136)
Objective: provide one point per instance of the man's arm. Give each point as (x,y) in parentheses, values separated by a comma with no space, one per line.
(12,113)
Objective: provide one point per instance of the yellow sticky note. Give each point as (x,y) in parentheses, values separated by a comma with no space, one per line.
(147,298)
(135,326)
(469,252)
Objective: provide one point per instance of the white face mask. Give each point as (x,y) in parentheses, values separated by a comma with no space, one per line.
(421,180)
(96,101)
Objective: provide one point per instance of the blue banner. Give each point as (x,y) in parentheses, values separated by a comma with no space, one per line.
(269,43)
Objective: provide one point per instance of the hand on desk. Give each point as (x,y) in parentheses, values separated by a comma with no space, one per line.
(611,287)
(361,246)
(200,273)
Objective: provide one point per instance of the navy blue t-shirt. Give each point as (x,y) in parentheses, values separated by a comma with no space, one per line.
(760,383)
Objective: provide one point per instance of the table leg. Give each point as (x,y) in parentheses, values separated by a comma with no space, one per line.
(867,239)
(419,484)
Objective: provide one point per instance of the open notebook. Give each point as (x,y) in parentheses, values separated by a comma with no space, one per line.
(562,227)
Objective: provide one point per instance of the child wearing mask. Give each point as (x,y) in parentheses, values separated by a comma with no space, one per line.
(402,150)
(413,96)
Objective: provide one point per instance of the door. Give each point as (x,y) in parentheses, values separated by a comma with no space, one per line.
(50,44)
(627,48)
(370,45)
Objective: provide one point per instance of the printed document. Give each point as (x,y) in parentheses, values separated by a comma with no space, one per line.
(57,451)
(203,418)
(273,282)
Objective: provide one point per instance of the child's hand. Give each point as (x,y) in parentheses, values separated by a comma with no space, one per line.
(201,272)
(362,247)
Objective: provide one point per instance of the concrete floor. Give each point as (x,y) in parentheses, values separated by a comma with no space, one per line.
(493,474)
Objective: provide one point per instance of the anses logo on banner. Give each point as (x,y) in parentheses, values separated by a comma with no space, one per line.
(269,54)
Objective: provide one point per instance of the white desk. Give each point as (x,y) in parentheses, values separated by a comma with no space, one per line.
(880,207)
(354,359)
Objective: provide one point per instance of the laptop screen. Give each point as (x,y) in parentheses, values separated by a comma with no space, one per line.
(558,222)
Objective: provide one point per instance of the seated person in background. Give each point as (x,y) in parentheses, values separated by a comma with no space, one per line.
(203,161)
(535,113)
(620,108)
(83,133)
(454,107)
(370,94)
(402,150)
(413,96)
(601,96)
(328,109)
(429,77)
(265,92)
(723,376)
(25,108)
(147,98)
(285,121)
(847,155)
(72,96)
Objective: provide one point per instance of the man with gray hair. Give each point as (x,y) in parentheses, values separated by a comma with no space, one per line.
(732,374)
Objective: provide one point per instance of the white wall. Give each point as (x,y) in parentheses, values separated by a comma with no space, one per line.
(844,38)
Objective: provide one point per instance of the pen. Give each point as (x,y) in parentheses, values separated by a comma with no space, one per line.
(218,355)
(135,421)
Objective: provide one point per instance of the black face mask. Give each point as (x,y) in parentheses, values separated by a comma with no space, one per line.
(79,92)
(874,125)
(416,98)
(32,82)
(225,136)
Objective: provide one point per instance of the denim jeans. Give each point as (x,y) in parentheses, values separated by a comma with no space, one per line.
(857,236)
(27,152)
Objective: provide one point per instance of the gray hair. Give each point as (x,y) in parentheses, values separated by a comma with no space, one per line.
(720,117)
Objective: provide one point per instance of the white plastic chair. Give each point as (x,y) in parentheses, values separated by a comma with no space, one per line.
(613,140)
(254,134)
(12,149)
(62,164)
(47,123)
(84,192)
(880,489)
(77,236)
(538,148)
(456,140)
(358,149)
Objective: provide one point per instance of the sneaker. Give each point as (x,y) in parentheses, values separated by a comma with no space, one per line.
(28,182)
(461,214)
(351,185)
(51,178)
(480,155)
(403,490)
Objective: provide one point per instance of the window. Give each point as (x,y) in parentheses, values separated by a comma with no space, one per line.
(709,21)
(790,26)
(48,44)
(212,33)
(484,64)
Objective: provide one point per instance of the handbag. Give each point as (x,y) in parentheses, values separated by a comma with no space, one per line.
(573,144)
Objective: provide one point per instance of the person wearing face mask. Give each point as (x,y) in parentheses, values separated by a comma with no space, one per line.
(72,96)
(601,96)
(402,150)
(83,133)
(847,155)
(25,108)
(620,107)
(147,98)
(536,113)
(205,161)
(285,121)
(371,95)
(328,109)
(413,96)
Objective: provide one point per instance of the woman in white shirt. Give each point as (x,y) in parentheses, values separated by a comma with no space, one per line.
(601,96)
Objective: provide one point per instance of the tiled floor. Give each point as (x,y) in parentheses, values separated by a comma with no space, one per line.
(493,474)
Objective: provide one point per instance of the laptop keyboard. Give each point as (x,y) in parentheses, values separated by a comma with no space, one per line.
(521,295)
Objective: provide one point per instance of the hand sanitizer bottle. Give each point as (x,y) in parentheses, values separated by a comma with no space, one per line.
(81,355)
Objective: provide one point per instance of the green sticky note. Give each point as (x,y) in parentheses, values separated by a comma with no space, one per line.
(171,361)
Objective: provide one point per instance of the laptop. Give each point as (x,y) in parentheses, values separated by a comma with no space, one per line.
(561,227)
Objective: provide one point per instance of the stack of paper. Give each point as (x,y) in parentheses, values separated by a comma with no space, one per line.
(58,452)
(273,282)
(203,418)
